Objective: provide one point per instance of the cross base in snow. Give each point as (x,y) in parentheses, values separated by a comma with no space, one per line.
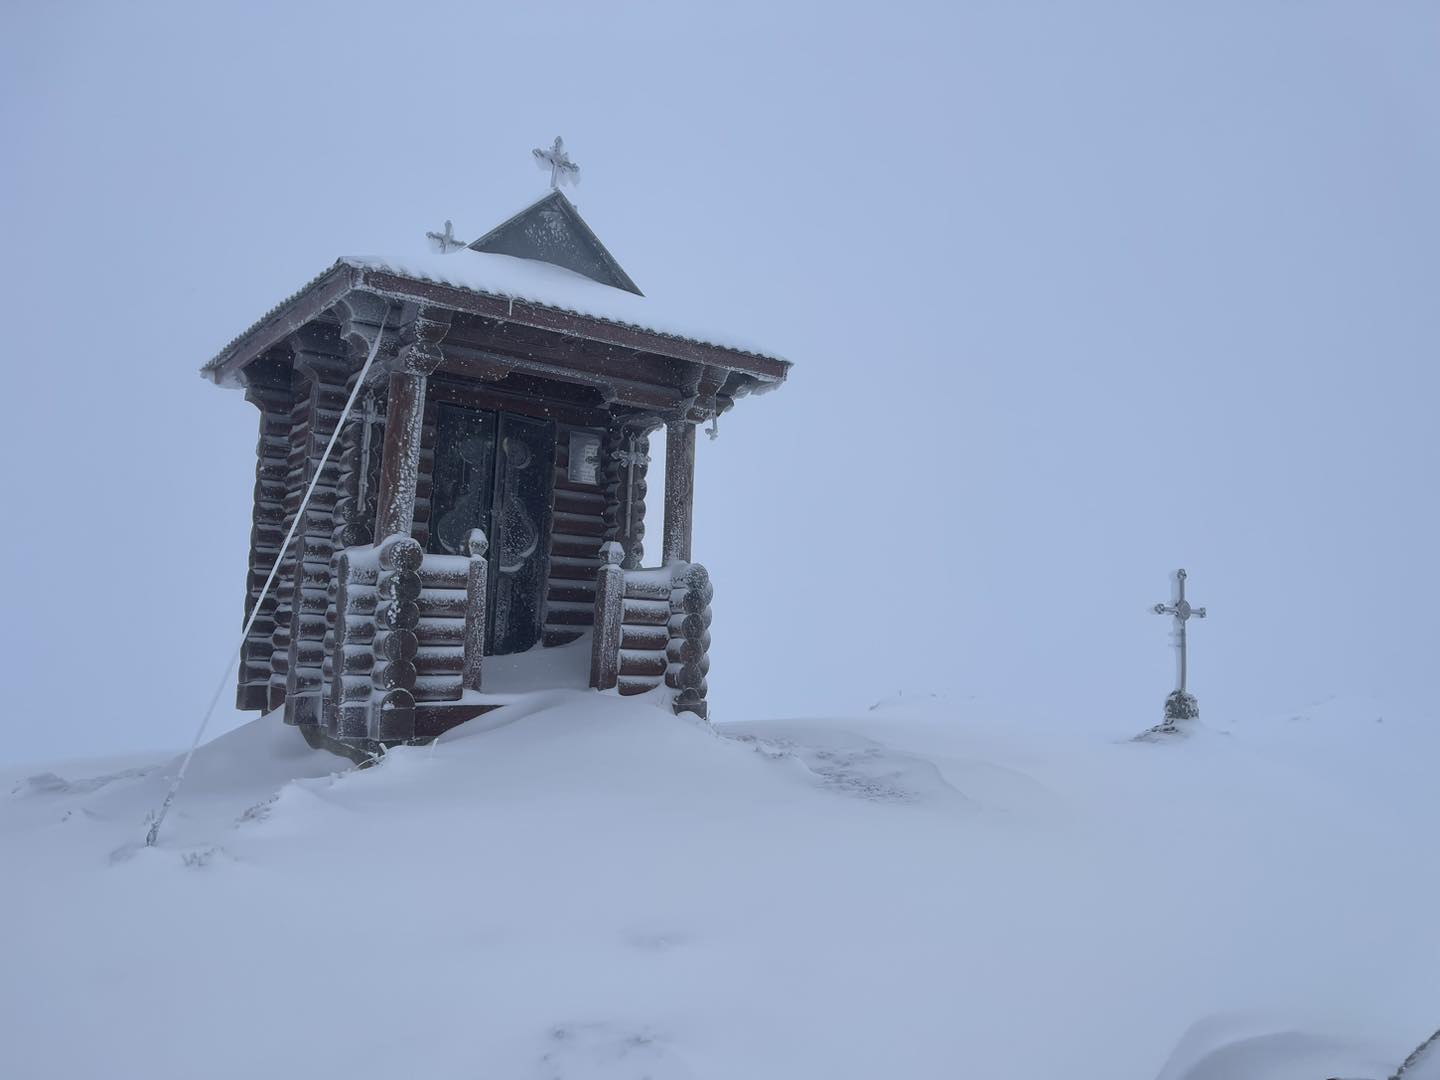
(1181,705)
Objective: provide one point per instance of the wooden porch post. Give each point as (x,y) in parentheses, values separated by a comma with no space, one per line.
(679,489)
(404,419)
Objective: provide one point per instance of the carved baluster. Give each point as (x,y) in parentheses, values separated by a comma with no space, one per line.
(476,582)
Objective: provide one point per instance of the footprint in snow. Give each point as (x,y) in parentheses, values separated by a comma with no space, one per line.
(862,769)
(49,783)
(607,1051)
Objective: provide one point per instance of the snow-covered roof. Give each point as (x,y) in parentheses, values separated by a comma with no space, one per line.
(545,257)
(507,277)
(551,286)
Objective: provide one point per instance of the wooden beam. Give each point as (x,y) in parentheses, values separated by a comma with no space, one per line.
(598,357)
(679,489)
(524,394)
(487,366)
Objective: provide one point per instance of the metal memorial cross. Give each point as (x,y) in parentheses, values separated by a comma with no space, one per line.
(562,170)
(1181,704)
(368,421)
(630,458)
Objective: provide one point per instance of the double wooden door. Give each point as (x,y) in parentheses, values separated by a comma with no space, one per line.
(494,471)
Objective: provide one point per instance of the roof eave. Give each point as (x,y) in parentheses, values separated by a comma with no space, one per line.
(544,317)
(280,322)
(315,298)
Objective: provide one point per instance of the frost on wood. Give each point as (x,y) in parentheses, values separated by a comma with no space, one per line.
(623,481)
(679,491)
(609,618)
(268,387)
(688,651)
(409,629)
(565,355)
(324,361)
(652,628)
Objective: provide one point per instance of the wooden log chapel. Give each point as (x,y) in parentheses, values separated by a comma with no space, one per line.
(485,495)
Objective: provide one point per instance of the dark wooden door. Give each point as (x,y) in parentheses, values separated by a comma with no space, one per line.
(494,471)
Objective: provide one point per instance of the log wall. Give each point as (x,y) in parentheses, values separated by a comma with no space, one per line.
(652,628)
(644,630)
(405,635)
(578,526)
(323,359)
(272,394)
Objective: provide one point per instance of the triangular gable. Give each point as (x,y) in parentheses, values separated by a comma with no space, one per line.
(553,231)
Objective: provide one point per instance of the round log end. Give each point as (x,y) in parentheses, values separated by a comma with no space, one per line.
(401,553)
(400,615)
(400,645)
(397,675)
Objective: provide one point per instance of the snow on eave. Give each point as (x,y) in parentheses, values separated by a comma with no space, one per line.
(213,368)
(506,277)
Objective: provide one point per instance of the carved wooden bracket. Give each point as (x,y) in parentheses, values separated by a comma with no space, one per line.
(362,316)
(267,380)
(318,351)
(420,352)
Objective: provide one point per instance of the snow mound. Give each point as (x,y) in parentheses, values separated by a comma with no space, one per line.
(586,887)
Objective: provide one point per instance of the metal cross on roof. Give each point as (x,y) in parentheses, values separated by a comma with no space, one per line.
(1182,611)
(446,241)
(562,170)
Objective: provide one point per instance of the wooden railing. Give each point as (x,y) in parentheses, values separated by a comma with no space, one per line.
(408,628)
(652,628)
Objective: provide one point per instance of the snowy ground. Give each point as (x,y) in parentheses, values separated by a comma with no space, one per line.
(586,888)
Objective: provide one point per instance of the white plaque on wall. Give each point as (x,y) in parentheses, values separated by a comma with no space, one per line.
(584,458)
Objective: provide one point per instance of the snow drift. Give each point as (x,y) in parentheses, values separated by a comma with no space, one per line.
(580,886)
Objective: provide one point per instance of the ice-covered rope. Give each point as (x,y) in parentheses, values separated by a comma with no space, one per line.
(154,833)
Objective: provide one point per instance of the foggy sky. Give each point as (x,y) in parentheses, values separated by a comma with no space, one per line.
(1076,294)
